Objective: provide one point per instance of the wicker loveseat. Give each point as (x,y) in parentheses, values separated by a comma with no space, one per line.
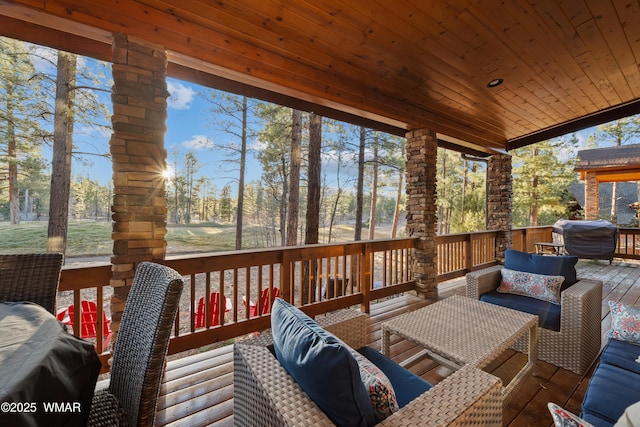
(577,341)
(266,395)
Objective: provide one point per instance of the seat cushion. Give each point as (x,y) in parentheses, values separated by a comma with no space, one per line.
(406,384)
(622,354)
(548,313)
(321,364)
(596,421)
(611,390)
(549,265)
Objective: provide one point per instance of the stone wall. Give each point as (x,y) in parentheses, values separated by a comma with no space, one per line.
(422,152)
(139,209)
(499,201)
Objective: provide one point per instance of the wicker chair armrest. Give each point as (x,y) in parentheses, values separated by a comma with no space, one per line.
(468,397)
(265,394)
(483,281)
(581,306)
(106,411)
(349,325)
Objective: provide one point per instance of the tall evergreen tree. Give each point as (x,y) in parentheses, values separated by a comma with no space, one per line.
(294,185)
(313,176)
(21,134)
(231,114)
(62,148)
(274,156)
(540,174)
(362,137)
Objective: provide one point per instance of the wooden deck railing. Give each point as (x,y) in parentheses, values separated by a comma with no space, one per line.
(628,243)
(318,278)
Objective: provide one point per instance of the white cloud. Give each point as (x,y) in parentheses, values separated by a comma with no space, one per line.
(180,96)
(198,142)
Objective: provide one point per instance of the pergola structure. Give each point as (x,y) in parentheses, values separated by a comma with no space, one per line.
(478,77)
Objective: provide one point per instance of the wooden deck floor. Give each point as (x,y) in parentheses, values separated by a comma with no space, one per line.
(198,389)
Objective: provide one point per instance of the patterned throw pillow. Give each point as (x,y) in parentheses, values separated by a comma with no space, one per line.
(539,286)
(625,322)
(383,397)
(563,418)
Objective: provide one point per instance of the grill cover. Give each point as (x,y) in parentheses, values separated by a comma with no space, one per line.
(587,239)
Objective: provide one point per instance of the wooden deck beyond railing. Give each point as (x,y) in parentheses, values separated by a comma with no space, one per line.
(348,273)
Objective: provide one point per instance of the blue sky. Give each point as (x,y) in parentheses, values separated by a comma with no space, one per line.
(190,128)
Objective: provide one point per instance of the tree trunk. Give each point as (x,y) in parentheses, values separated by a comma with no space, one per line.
(614,203)
(313,199)
(283,201)
(243,165)
(396,214)
(14,192)
(12,159)
(294,178)
(614,187)
(62,148)
(374,190)
(313,203)
(360,187)
(533,212)
(465,184)
(334,209)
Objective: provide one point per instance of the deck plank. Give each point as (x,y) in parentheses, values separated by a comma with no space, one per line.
(198,389)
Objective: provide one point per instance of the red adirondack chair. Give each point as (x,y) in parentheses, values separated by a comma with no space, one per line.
(263,302)
(88,321)
(214,307)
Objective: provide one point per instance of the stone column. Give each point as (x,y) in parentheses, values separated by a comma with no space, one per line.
(422,152)
(591,196)
(499,199)
(139,209)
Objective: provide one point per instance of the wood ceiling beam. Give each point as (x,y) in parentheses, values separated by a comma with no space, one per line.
(603,116)
(55,39)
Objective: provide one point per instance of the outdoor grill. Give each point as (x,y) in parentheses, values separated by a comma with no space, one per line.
(587,239)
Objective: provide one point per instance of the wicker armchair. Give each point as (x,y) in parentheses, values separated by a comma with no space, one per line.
(578,342)
(140,349)
(31,277)
(265,394)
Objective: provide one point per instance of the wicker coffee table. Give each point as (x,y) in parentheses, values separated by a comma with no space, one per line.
(462,331)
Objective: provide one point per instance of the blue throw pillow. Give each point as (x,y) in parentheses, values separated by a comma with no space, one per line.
(539,264)
(322,365)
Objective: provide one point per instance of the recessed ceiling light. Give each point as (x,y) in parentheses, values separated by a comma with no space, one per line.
(495,83)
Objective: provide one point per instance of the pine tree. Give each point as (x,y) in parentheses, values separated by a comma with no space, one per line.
(541,173)
(21,135)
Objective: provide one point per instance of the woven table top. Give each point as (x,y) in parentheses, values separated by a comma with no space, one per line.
(463,330)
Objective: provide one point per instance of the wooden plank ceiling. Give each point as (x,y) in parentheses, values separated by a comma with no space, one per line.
(397,65)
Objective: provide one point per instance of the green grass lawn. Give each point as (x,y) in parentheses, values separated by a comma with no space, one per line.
(93,238)
(85,237)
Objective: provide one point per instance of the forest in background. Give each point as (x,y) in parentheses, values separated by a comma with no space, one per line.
(315,173)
